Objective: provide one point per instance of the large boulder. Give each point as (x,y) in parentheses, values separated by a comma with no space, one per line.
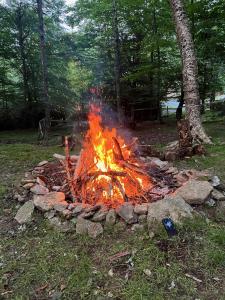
(173,207)
(195,191)
(49,201)
(25,212)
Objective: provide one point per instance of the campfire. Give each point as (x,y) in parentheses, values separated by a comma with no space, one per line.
(114,179)
(108,171)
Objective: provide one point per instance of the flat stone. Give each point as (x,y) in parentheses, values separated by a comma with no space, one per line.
(111,217)
(65,226)
(61,206)
(42,163)
(217,195)
(159,163)
(82,225)
(25,212)
(48,201)
(181,177)
(137,227)
(39,190)
(141,209)
(195,191)
(126,212)
(100,215)
(173,207)
(78,209)
(28,185)
(25,181)
(49,214)
(94,229)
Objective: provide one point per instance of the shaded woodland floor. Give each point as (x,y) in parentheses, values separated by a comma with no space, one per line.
(37,262)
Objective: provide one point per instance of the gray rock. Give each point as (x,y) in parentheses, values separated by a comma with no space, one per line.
(61,206)
(100,215)
(28,185)
(217,195)
(67,214)
(126,212)
(47,202)
(110,217)
(82,226)
(25,180)
(25,212)
(94,229)
(78,209)
(195,191)
(159,163)
(215,181)
(65,226)
(137,227)
(141,209)
(49,214)
(56,188)
(42,163)
(39,190)
(220,209)
(173,207)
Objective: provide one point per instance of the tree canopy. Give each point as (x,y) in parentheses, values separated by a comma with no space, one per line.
(80,45)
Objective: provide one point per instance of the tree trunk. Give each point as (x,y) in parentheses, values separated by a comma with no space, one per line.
(190,72)
(117,63)
(44,67)
(21,39)
(158,82)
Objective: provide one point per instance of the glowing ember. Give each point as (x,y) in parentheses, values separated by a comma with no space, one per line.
(107,170)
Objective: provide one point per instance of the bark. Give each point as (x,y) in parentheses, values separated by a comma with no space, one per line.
(21,39)
(190,72)
(180,106)
(44,66)
(117,66)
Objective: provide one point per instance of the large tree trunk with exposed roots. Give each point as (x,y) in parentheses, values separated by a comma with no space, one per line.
(190,72)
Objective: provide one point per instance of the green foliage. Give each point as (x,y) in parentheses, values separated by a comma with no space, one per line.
(80,54)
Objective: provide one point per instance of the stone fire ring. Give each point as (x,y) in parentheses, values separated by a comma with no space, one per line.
(74,217)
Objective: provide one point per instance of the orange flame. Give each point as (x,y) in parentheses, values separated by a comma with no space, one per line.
(113,178)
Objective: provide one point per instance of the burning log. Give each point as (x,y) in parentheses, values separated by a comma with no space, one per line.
(118,154)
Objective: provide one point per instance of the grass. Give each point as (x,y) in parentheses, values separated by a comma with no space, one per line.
(41,263)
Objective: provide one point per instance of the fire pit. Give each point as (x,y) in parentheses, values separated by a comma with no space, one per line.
(110,180)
